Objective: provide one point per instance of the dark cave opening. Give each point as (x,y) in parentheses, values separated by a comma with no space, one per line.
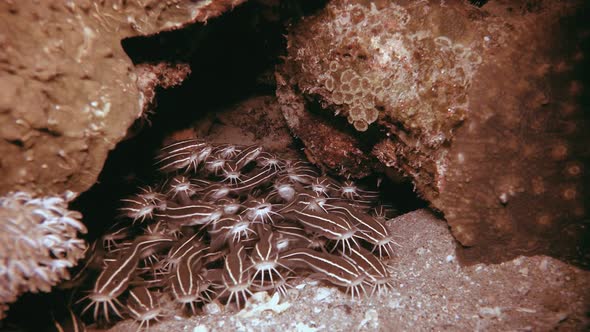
(231,58)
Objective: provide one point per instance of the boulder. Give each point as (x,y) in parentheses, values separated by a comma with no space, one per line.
(68,90)
(482,109)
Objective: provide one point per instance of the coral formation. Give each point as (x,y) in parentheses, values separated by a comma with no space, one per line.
(68,91)
(38,243)
(481,109)
(228,220)
(373,67)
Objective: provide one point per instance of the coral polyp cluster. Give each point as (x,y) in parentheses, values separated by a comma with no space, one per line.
(38,243)
(229,220)
(370,61)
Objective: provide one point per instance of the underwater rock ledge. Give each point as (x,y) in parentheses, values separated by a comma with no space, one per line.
(68,91)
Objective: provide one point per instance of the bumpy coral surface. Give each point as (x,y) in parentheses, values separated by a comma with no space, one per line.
(229,220)
(482,110)
(373,67)
(38,243)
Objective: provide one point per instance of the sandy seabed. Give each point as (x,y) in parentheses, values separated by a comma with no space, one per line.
(432,292)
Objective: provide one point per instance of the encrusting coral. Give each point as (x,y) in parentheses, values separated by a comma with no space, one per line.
(38,243)
(481,108)
(370,72)
(230,220)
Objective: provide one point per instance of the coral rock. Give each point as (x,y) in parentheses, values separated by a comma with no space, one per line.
(68,91)
(480,108)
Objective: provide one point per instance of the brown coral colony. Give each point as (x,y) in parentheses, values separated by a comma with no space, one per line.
(230,220)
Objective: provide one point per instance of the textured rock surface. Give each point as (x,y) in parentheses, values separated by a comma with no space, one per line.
(329,146)
(257,120)
(482,109)
(68,91)
(432,292)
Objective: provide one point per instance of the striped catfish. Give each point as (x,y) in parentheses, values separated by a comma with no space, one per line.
(261,178)
(226,151)
(349,190)
(265,257)
(371,229)
(244,157)
(217,191)
(186,283)
(144,306)
(332,268)
(182,248)
(181,189)
(300,172)
(285,189)
(377,272)
(331,226)
(116,233)
(293,236)
(309,201)
(259,209)
(138,208)
(215,165)
(151,195)
(236,276)
(230,206)
(70,322)
(230,230)
(322,185)
(231,173)
(268,160)
(196,213)
(115,277)
(186,154)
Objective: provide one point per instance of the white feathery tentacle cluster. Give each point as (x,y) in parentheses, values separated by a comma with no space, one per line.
(38,243)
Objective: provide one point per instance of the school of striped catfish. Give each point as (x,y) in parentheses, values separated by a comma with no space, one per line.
(230,220)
